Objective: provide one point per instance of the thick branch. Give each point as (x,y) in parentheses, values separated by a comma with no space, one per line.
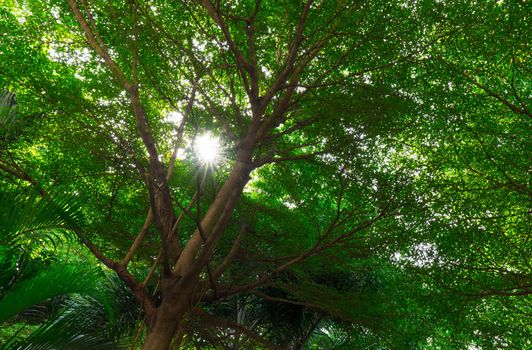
(169,172)
(97,44)
(217,214)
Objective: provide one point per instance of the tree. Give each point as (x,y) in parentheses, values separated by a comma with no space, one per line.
(334,119)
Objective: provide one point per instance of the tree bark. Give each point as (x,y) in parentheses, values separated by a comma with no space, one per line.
(164,327)
(213,223)
(163,323)
(179,288)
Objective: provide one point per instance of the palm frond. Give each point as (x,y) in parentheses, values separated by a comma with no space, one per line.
(8,108)
(57,280)
(61,333)
(104,319)
(9,119)
(29,218)
(27,225)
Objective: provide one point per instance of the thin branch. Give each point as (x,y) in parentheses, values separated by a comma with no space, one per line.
(140,236)
(317,248)
(224,323)
(285,301)
(230,256)
(291,58)
(501,99)
(242,64)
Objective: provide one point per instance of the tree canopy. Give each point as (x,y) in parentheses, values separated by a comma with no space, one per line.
(265,174)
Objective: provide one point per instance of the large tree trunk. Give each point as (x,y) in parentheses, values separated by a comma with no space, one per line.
(177,301)
(164,325)
(179,288)
(160,335)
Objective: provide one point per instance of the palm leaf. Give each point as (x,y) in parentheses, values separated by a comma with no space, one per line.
(26,218)
(28,224)
(9,121)
(61,333)
(87,322)
(8,108)
(57,280)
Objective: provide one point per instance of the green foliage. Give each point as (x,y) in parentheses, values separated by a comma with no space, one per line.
(105,318)
(30,228)
(35,275)
(54,281)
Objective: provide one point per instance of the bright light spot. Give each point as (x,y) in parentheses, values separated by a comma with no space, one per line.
(198,45)
(290,205)
(207,148)
(55,13)
(422,255)
(251,186)
(174,117)
(267,72)
(181,154)
(61,53)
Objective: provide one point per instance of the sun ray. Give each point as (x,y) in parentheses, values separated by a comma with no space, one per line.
(207,148)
